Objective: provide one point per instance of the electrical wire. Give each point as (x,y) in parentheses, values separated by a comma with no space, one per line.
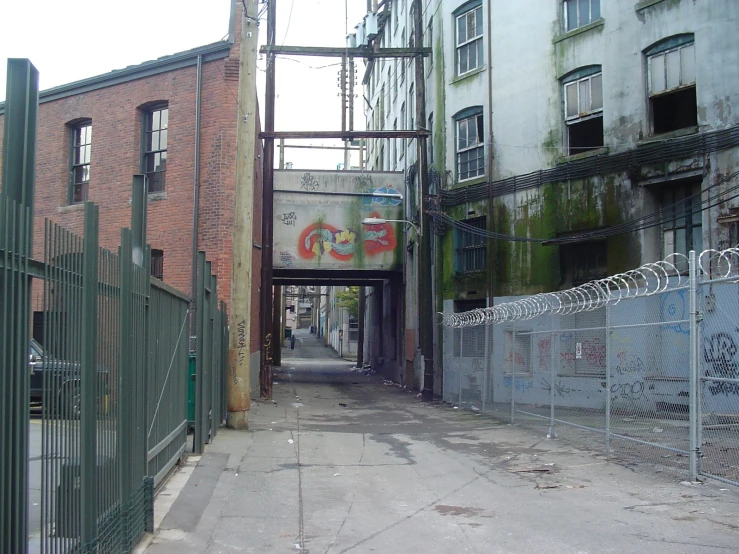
(648,221)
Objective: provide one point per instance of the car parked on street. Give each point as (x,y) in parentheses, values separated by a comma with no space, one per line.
(64,393)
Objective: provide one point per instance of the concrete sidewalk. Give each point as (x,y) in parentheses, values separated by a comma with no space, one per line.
(344,463)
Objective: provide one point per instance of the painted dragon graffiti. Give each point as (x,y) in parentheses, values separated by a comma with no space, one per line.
(318,239)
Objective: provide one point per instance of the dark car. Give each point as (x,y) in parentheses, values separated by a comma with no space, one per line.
(64,394)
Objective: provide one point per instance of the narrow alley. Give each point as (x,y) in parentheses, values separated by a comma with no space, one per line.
(341,461)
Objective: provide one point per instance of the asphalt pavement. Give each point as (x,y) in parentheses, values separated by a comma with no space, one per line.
(346,462)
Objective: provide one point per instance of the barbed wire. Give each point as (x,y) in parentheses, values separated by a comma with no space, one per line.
(719,264)
(646,280)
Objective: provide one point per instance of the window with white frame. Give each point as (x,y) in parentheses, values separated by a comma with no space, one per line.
(470,144)
(579,13)
(671,84)
(583,104)
(469,39)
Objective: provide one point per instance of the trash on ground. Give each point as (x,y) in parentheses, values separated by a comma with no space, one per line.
(290,441)
(456,407)
(337,474)
(342,404)
(534,470)
(657,430)
(474,408)
(546,487)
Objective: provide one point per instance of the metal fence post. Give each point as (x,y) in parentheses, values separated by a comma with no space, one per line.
(513,372)
(608,381)
(552,434)
(88,431)
(125,369)
(198,440)
(694,367)
(459,366)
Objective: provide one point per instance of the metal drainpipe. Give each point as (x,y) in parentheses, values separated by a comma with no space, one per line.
(196,193)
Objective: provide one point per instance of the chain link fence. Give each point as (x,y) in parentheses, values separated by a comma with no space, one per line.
(617,366)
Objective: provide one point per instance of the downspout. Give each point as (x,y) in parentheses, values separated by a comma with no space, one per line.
(196,195)
(491,196)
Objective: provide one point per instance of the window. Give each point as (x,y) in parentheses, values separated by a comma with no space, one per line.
(382,108)
(430,140)
(582,262)
(155,147)
(412,24)
(580,12)
(517,352)
(395,79)
(671,83)
(469,248)
(412,108)
(469,342)
(681,228)
(402,62)
(157,263)
(80,162)
(470,144)
(402,122)
(395,145)
(583,96)
(469,40)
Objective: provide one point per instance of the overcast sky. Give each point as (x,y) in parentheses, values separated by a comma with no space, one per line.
(76,39)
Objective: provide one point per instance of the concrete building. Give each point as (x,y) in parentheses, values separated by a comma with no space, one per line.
(605,129)
(172,119)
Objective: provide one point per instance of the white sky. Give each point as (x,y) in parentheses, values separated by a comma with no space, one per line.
(76,39)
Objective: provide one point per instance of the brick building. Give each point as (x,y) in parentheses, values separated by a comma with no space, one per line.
(145,120)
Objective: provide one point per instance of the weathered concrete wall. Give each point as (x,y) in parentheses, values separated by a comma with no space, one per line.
(318,226)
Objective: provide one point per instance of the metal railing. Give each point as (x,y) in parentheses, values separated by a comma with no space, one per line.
(641,366)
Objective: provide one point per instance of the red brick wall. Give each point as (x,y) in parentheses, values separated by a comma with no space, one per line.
(116,137)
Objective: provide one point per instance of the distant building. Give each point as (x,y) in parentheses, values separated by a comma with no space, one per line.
(95,134)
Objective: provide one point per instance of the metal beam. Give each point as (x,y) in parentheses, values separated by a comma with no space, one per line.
(331,52)
(343,135)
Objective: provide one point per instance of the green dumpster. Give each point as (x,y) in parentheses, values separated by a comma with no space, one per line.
(191,390)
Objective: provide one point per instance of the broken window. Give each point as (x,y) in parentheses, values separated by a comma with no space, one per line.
(469,40)
(470,144)
(470,248)
(157,263)
(469,342)
(582,262)
(583,96)
(580,12)
(671,81)
(682,221)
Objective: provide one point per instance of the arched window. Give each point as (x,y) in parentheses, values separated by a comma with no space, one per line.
(582,91)
(671,84)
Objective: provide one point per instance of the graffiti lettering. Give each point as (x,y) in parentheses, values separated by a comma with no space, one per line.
(719,350)
(724,388)
(628,391)
(241,333)
(673,307)
(521,385)
(559,388)
(370,201)
(286,258)
(309,183)
(545,352)
(628,366)
(289,218)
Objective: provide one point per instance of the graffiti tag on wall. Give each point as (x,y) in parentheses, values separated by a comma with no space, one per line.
(320,238)
(719,352)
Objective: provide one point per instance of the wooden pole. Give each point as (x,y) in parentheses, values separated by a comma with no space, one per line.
(239,370)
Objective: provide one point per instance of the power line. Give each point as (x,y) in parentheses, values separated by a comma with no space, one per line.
(653,219)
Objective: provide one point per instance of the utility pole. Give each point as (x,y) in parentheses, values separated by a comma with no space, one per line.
(239,393)
(265,371)
(425,296)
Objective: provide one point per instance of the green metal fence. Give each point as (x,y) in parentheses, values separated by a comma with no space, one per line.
(106,373)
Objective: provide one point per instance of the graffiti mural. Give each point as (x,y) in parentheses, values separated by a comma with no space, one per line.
(321,238)
(370,202)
